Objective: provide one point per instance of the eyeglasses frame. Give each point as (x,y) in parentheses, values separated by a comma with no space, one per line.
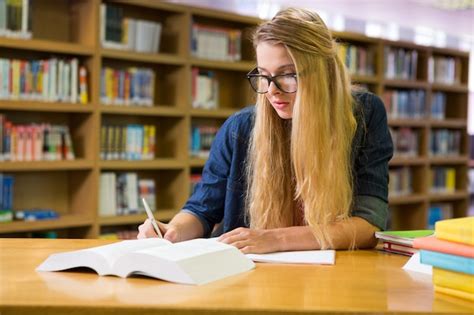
(270,79)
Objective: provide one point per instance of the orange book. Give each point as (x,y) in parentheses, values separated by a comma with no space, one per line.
(434,244)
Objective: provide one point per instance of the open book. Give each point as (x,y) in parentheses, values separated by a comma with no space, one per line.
(197,261)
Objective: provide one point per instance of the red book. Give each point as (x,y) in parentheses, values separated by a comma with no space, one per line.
(399,249)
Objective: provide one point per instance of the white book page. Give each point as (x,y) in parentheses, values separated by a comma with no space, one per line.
(185,250)
(112,252)
(323,257)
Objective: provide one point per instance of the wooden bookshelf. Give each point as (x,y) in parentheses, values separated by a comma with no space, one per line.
(72,187)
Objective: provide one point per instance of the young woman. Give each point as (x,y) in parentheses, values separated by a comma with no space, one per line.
(307,167)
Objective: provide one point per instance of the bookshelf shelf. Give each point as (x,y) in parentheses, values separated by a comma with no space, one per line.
(446,196)
(197,162)
(364,79)
(458,88)
(25,105)
(449,160)
(47,46)
(415,160)
(407,199)
(156,164)
(63,222)
(165,111)
(213,113)
(448,123)
(405,84)
(160,214)
(35,166)
(243,66)
(407,122)
(143,57)
(355,37)
(74,186)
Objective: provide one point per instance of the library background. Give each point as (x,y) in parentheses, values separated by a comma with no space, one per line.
(119,100)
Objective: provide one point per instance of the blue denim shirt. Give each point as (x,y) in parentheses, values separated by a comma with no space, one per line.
(220,196)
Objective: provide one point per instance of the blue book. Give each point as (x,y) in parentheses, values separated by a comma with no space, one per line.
(447,261)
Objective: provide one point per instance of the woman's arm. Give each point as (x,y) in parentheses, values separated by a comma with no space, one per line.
(301,237)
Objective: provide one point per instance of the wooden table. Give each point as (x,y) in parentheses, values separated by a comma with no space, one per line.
(360,282)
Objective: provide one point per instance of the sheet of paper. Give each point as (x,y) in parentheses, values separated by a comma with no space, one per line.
(323,257)
(414,264)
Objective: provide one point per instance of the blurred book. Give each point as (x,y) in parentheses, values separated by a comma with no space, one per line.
(401,242)
(459,230)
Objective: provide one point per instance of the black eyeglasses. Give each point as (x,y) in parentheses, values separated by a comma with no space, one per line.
(287,83)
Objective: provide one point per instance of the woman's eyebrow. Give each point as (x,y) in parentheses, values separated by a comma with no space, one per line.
(290,65)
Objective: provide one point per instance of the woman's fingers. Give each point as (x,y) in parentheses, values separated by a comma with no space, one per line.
(146,230)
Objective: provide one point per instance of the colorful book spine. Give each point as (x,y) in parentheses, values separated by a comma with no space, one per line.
(49,80)
(447,261)
(34,142)
(129,87)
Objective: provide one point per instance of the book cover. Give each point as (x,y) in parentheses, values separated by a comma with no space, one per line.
(447,261)
(197,261)
(402,237)
(453,280)
(399,249)
(454,292)
(459,230)
(434,244)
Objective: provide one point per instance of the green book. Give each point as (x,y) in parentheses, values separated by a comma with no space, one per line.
(402,237)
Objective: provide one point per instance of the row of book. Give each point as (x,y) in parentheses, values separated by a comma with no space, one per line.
(132,86)
(438,105)
(445,70)
(445,142)
(401,181)
(129,142)
(358,59)
(120,193)
(470,174)
(405,103)
(15,18)
(442,179)
(6,192)
(400,63)
(215,43)
(201,140)
(405,141)
(437,212)
(451,254)
(205,89)
(49,80)
(34,142)
(119,32)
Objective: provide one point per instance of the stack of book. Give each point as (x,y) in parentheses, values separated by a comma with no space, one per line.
(15,18)
(119,32)
(401,242)
(451,253)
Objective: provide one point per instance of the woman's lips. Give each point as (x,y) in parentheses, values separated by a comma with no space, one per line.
(280,105)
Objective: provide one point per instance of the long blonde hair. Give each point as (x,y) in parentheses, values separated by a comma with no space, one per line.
(305,162)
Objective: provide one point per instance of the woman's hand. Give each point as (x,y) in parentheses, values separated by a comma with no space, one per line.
(253,241)
(170,232)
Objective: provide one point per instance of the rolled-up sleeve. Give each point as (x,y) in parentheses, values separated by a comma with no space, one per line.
(371,164)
